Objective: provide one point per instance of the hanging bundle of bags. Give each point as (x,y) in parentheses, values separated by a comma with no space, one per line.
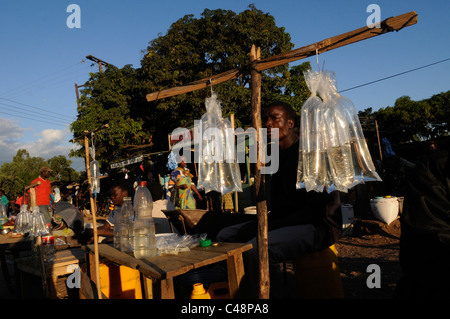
(218,167)
(333,151)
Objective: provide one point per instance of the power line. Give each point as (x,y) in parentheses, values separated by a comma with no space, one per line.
(26,84)
(391,76)
(61,116)
(40,85)
(35,115)
(34,119)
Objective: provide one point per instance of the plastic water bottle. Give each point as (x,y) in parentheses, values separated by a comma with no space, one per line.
(143,201)
(3,215)
(144,240)
(126,225)
(48,248)
(116,230)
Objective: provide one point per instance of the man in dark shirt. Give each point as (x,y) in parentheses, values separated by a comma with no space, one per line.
(298,221)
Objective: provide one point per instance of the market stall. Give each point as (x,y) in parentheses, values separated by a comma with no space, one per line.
(256,66)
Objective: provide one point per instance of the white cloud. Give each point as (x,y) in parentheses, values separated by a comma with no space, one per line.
(10,135)
(49,143)
(46,144)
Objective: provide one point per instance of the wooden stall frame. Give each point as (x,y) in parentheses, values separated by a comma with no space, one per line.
(257,65)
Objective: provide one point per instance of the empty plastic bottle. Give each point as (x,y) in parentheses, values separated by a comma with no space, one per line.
(143,201)
(126,226)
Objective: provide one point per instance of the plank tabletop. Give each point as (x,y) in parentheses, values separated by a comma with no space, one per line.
(168,266)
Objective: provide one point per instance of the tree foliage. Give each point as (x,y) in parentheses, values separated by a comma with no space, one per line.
(114,97)
(410,120)
(23,169)
(192,49)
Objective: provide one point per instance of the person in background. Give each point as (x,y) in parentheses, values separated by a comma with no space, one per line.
(214,199)
(183,189)
(43,193)
(425,237)
(4,201)
(56,194)
(15,211)
(66,214)
(162,225)
(119,191)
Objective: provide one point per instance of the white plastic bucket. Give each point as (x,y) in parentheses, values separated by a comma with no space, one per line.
(385,209)
(250,210)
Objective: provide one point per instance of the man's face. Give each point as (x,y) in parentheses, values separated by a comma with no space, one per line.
(276,118)
(117,195)
(46,173)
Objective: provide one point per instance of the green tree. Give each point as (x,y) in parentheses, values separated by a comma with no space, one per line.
(23,169)
(62,170)
(410,120)
(114,97)
(20,172)
(194,49)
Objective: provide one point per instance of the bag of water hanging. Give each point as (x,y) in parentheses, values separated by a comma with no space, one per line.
(218,168)
(337,135)
(364,169)
(312,132)
(94,167)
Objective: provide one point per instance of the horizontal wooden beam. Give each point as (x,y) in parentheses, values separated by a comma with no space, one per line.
(391,24)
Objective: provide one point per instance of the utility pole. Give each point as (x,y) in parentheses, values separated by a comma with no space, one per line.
(78,94)
(86,136)
(101,63)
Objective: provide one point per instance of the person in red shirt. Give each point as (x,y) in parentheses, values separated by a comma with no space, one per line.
(43,192)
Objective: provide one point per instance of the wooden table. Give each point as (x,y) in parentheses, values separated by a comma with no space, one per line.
(11,246)
(162,269)
(61,266)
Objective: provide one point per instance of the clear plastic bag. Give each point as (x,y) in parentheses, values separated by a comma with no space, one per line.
(338,137)
(312,130)
(364,169)
(38,225)
(333,152)
(218,167)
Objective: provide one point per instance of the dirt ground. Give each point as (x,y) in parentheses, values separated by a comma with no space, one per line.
(372,242)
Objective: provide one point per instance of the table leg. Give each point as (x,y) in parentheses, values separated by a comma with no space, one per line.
(166,289)
(6,274)
(235,266)
(147,284)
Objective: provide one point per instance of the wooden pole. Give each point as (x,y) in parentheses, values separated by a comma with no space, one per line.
(94,218)
(388,25)
(379,144)
(261,206)
(236,205)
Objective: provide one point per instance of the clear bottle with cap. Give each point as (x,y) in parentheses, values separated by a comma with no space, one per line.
(143,201)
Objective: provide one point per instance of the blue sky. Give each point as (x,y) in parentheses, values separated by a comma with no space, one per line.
(41,58)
